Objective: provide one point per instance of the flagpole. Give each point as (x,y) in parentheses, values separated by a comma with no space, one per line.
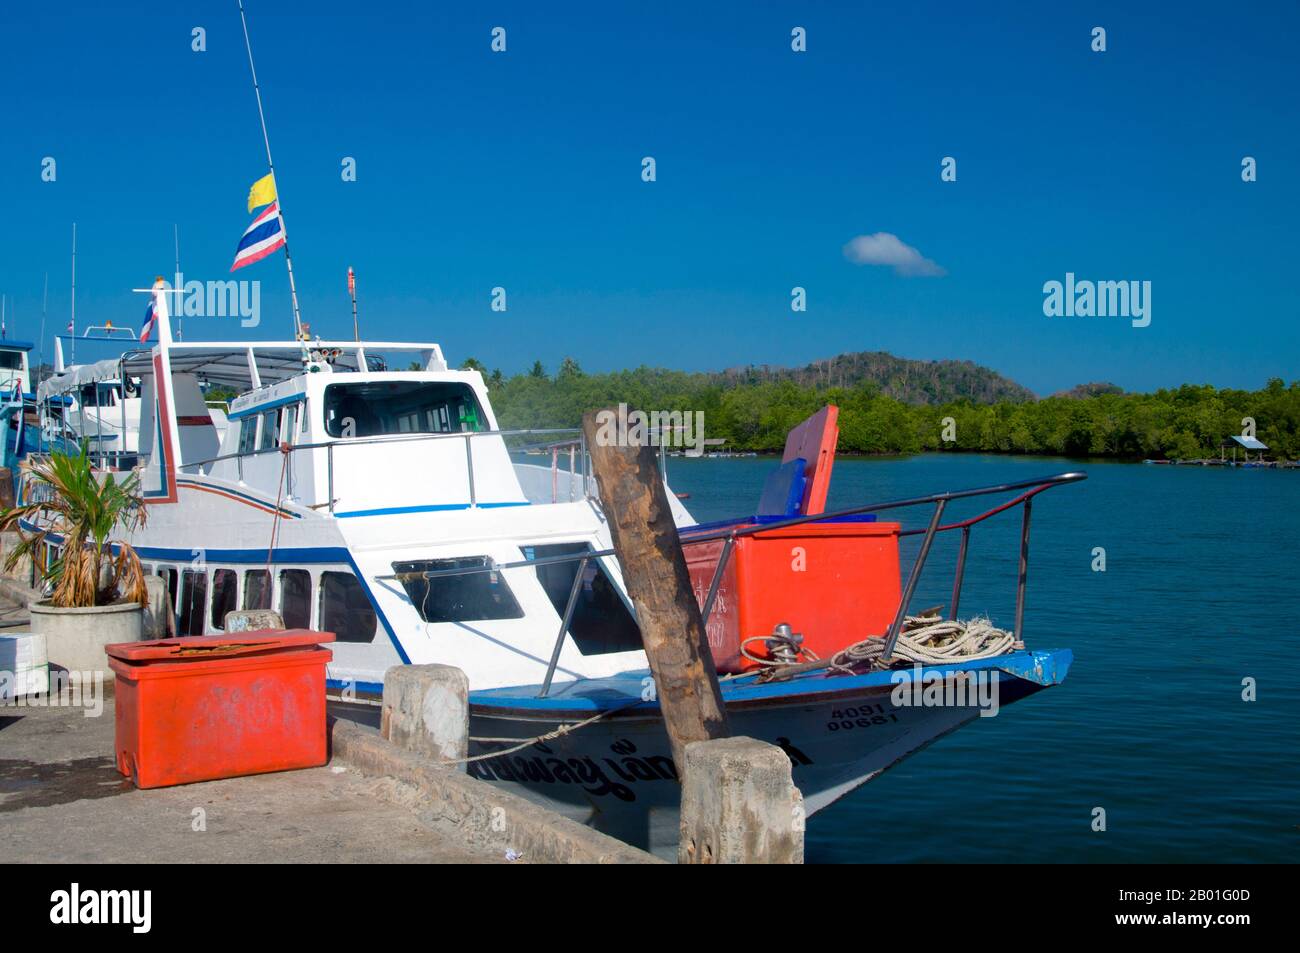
(293,290)
(180,324)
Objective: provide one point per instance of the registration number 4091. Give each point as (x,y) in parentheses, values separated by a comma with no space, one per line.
(863,716)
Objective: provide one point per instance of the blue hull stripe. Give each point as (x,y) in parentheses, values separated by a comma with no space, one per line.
(430,508)
(259,408)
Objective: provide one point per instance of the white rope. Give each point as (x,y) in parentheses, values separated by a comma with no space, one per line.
(928,639)
(559,732)
(932,639)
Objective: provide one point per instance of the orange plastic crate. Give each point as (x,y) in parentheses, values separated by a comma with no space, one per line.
(201,708)
(834,583)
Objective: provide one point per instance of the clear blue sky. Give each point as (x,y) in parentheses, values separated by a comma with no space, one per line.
(522,170)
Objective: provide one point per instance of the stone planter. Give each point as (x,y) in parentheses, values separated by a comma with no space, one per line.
(75,638)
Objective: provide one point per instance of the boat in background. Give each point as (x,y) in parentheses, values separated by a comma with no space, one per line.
(17,402)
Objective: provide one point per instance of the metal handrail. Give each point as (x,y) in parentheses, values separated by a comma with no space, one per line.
(329,445)
(940,500)
(386,438)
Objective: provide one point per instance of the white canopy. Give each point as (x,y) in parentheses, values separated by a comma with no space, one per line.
(74,377)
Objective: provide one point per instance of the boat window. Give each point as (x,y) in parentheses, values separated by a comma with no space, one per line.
(248,434)
(11,360)
(304,416)
(378,408)
(270,432)
(257,589)
(225,592)
(601,623)
(344,608)
(290,420)
(194,597)
(467,597)
(295,598)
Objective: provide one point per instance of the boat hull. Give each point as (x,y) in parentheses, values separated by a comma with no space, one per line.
(617,774)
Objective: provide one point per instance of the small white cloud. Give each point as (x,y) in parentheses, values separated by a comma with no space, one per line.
(883,248)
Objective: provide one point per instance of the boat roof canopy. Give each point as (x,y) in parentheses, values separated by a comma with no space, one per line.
(6,345)
(74,377)
(231,364)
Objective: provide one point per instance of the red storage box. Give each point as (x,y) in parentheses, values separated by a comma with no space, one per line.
(834,583)
(200,708)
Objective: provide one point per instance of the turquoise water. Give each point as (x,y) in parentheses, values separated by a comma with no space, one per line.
(1199,593)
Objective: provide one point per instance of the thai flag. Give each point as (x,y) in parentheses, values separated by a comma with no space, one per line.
(264,236)
(150,319)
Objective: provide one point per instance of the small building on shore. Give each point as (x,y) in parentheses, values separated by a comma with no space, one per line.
(1246,444)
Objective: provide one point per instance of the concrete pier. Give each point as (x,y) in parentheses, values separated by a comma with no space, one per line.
(62,800)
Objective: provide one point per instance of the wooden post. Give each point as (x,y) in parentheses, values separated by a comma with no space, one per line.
(641,523)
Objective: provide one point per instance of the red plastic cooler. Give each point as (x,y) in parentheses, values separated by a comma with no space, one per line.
(836,583)
(200,708)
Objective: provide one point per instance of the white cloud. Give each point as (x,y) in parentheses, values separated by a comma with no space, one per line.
(883,248)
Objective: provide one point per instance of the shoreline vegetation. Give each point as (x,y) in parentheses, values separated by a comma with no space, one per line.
(753,409)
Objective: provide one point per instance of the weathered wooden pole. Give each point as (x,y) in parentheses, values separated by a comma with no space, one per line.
(641,523)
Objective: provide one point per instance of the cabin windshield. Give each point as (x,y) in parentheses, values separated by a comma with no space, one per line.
(11,360)
(380,408)
(99,395)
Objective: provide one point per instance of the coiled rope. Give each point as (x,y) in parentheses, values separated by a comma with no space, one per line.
(927,638)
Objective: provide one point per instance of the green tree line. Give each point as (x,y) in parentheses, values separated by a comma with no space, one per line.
(1187,422)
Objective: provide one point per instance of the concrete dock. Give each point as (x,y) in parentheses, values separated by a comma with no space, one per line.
(62,800)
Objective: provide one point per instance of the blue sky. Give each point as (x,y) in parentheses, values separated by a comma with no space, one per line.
(522,170)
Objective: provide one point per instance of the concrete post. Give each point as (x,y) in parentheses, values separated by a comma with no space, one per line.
(426,710)
(158,618)
(22,570)
(739,805)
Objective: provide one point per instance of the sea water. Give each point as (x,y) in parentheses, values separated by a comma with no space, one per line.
(1150,736)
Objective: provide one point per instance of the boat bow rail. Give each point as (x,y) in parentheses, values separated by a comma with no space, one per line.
(1028,490)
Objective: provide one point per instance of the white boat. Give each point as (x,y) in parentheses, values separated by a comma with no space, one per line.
(385,505)
(16,409)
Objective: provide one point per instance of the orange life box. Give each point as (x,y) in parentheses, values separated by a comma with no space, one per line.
(201,708)
(835,583)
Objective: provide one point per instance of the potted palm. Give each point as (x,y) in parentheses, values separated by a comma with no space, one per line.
(97,585)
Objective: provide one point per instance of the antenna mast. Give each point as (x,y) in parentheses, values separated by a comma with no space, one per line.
(176,285)
(293,290)
(73,323)
(45,300)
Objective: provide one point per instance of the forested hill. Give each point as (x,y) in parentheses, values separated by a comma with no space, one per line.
(1098,419)
(905,380)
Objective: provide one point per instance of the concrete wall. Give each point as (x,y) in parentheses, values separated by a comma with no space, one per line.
(450,800)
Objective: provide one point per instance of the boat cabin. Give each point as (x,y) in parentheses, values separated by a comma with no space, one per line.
(15,372)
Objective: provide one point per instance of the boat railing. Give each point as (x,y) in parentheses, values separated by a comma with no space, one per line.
(729,535)
(551,440)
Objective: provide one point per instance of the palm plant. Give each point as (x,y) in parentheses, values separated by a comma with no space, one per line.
(84,511)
